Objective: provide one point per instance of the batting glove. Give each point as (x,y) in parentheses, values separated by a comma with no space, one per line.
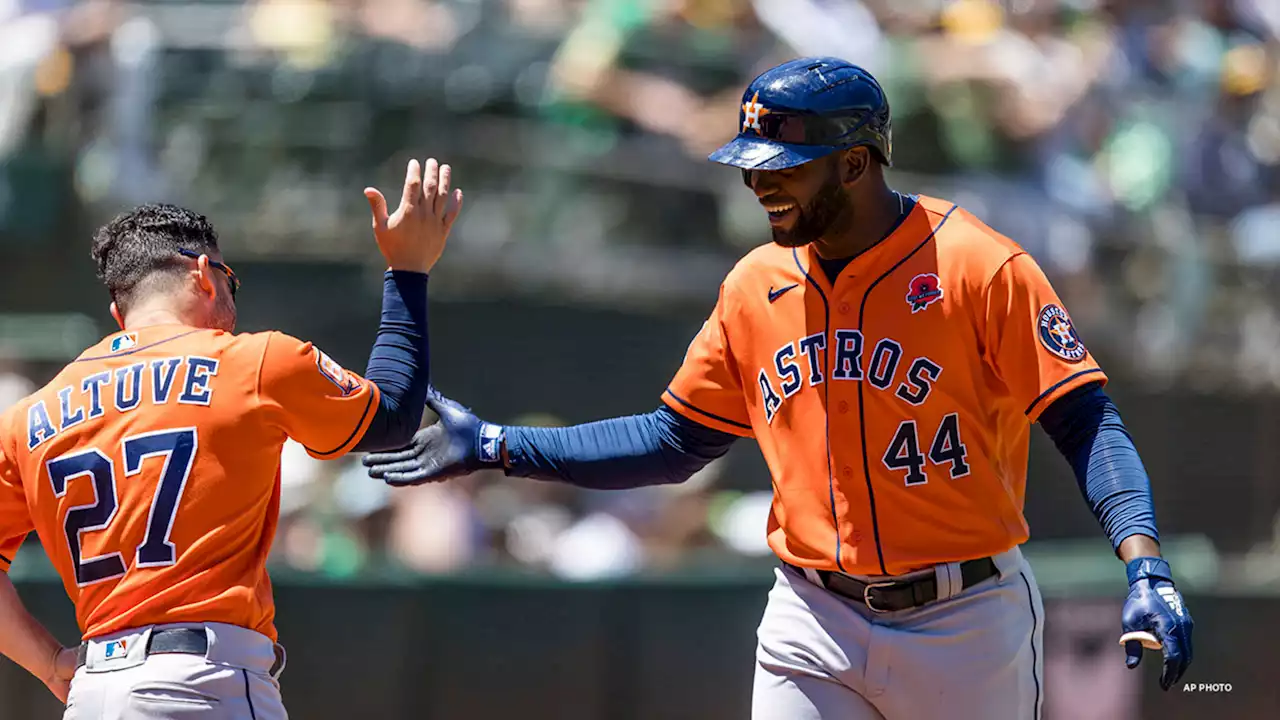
(455,445)
(1155,606)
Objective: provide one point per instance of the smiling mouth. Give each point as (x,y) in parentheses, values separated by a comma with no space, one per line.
(779,210)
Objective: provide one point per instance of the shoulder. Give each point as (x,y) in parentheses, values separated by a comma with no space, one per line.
(966,245)
(959,229)
(269,345)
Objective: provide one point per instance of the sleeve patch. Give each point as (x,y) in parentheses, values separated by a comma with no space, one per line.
(336,374)
(1058,335)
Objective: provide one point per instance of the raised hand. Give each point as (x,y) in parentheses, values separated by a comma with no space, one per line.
(414,236)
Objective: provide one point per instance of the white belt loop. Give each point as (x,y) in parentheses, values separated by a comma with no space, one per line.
(957,578)
(1008,562)
(948,579)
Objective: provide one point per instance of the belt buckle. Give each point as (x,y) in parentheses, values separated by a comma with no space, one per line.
(866,595)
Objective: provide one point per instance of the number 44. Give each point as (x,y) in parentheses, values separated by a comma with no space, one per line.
(904,450)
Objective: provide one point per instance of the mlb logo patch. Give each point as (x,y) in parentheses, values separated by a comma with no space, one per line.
(925,289)
(116,649)
(124,342)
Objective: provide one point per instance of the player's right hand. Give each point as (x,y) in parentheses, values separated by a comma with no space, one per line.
(455,445)
(413,237)
(61,670)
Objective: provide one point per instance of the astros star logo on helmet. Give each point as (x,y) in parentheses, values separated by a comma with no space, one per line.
(752,111)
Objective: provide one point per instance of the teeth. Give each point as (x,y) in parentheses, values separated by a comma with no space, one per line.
(778,208)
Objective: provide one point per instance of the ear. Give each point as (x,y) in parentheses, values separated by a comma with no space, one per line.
(854,165)
(204,277)
(115,313)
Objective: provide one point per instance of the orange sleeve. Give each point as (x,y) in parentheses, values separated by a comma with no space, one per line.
(707,388)
(15,517)
(313,399)
(1030,340)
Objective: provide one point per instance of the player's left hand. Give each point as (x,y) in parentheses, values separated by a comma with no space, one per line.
(414,236)
(455,445)
(61,669)
(1155,606)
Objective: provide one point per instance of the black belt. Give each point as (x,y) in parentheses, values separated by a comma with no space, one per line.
(185,641)
(893,595)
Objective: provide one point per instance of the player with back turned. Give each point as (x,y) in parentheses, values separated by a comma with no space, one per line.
(150,465)
(889,353)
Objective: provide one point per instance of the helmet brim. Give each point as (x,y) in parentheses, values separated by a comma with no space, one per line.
(757,153)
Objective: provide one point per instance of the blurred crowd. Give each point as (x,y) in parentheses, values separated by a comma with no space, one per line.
(336,521)
(1132,146)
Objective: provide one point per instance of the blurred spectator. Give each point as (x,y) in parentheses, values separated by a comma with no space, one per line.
(432,527)
(298,538)
(842,28)
(1224,174)
(1256,232)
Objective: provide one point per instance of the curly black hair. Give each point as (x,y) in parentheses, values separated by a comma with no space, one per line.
(140,247)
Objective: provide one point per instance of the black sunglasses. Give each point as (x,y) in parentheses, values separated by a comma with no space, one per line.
(231,274)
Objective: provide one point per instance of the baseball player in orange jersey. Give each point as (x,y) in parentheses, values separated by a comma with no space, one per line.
(150,466)
(889,353)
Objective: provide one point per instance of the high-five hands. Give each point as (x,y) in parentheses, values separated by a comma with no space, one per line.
(413,237)
(455,445)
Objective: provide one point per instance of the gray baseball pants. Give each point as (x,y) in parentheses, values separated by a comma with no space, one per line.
(974,655)
(235,678)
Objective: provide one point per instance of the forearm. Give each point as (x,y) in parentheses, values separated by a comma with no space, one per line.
(1136,546)
(399,363)
(658,448)
(22,638)
(1087,429)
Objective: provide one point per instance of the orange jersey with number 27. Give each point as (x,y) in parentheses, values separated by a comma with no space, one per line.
(894,406)
(150,469)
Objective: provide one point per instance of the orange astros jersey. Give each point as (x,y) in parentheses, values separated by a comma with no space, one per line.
(893,409)
(150,468)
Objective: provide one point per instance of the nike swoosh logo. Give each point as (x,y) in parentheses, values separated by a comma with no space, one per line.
(775,294)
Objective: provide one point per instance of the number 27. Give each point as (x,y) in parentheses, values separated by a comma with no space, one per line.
(904,450)
(179,449)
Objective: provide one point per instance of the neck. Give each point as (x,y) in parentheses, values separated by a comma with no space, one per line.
(135,321)
(148,314)
(874,217)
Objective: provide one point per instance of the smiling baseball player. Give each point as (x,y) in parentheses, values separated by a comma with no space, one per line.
(889,354)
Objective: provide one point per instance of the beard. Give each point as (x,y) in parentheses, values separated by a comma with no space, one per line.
(828,210)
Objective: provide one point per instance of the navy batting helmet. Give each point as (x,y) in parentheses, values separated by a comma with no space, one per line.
(804,109)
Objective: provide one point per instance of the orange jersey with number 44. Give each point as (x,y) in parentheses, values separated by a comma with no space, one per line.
(150,469)
(893,407)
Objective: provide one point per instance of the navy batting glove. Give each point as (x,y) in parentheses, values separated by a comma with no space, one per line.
(457,444)
(1155,606)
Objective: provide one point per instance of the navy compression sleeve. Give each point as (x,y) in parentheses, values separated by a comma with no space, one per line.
(657,448)
(1086,427)
(399,363)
